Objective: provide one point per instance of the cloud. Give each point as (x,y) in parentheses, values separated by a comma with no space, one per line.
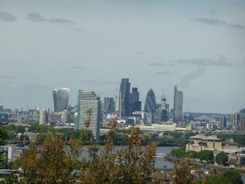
(215,61)
(36,17)
(187,79)
(7,77)
(157,64)
(140,52)
(209,21)
(59,21)
(78,68)
(6,16)
(77,30)
(216,22)
(164,73)
(236,26)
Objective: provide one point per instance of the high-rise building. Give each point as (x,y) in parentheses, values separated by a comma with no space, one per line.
(164,109)
(242,125)
(88,100)
(61,99)
(178,104)
(242,120)
(135,104)
(108,105)
(223,122)
(235,121)
(123,99)
(150,104)
(1,108)
(43,118)
(242,114)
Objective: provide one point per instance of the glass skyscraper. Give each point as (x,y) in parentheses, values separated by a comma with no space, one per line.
(61,99)
(135,104)
(89,100)
(150,102)
(178,104)
(123,99)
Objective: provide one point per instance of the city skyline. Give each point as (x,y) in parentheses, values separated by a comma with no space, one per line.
(93,44)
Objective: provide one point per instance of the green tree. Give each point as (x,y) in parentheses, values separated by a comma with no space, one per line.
(180,152)
(20,129)
(3,135)
(234,176)
(218,180)
(222,158)
(206,155)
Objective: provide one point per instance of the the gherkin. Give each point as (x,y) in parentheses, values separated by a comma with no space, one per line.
(150,102)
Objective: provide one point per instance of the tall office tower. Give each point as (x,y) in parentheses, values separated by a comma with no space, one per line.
(43,118)
(242,119)
(178,104)
(235,121)
(223,122)
(123,98)
(164,109)
(1,108)
(61,99)
(108,105)
(242,125)
(242,114)
(135,104)
(89,100)
(150,102)
(150,106)
(118,103)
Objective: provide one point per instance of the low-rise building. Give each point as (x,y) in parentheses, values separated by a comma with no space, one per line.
(201,142)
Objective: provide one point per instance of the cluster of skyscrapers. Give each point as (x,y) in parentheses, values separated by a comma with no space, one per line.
(127,102)
(126,107)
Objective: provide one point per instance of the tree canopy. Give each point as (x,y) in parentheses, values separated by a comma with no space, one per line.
(234,176)
(222,158)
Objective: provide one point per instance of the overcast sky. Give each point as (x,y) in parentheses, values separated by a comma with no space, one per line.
(91,45)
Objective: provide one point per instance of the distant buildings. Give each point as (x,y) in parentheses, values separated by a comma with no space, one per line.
(150,102)
(123,99)
(150,106)
(43,118)
(134,103)
(178,104)
(235,121)
(108,106)
(242,128)
(223,122)
(61,99)
(201,142)
(238,121)
(164,109)
(88,100)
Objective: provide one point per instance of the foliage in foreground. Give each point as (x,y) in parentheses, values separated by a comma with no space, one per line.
(52,162)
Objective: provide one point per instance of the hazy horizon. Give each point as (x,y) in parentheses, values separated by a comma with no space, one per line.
(91,45)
